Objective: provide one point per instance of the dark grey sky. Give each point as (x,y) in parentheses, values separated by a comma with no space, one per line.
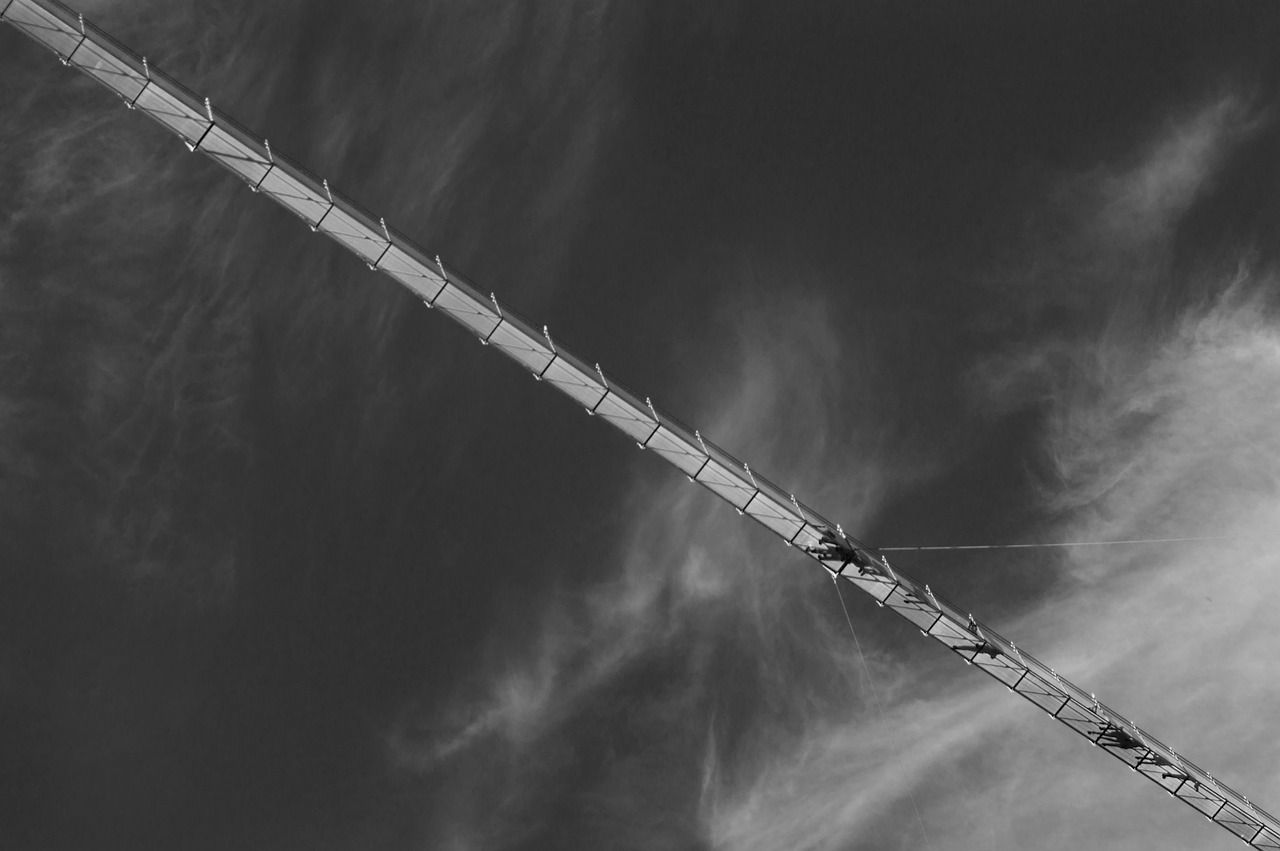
(287,561)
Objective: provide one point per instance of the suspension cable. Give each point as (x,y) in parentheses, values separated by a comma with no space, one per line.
(1076,543)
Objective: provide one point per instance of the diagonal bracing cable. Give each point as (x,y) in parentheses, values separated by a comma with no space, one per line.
(206,130)
(884,719)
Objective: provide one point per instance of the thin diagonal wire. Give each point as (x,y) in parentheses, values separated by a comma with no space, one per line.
(893,741)
(1075,543)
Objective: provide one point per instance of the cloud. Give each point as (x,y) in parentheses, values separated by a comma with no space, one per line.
(1142,202)
(1150,430)
(785,748)
(172,456)
(702,684)
(692,589)
(1189,450)
(1098,256)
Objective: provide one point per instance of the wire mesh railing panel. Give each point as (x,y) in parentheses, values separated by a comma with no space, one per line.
(622,410)
(724,476)
(119,74)
(519,340)
(354,230)
(407,265)
(167,104)
(679,448)
(54,26)
(575,378)
(296,193)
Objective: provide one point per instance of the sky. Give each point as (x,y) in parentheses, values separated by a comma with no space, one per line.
(288,561)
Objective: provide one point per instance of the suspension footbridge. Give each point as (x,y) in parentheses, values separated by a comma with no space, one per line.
(204,129)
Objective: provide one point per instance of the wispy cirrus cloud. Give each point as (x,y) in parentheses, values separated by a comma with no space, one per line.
(700,686)
(787,751)
(1160,429)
